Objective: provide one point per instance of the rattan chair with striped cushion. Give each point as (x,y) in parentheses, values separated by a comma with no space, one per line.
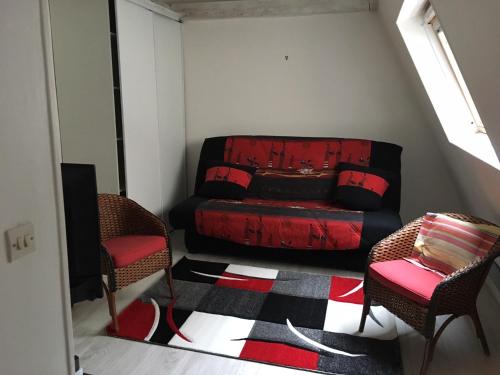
(135,245)
(418,296)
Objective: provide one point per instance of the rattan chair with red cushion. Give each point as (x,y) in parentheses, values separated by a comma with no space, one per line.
(135,245)
(416,295)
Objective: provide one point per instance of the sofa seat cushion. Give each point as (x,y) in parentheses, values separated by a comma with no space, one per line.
(126,250)
(405,278)
(280,224)
(376,225)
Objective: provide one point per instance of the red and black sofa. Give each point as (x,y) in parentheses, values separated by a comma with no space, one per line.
(292,198)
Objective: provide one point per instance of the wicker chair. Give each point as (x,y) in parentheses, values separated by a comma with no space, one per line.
(120,216)
(456,294)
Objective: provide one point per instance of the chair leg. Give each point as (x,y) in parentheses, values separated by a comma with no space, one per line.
(480,332)
(429,348)
(110,296)
(170,281)
(431,342)
(366,309)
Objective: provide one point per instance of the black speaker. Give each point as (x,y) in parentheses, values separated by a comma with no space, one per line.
(82,231)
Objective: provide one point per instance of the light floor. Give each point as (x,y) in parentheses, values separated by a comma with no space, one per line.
(458,351)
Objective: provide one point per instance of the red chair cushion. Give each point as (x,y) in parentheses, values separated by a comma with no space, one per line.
(404,278)
(126,250)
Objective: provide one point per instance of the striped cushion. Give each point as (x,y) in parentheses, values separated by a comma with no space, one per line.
(446,244)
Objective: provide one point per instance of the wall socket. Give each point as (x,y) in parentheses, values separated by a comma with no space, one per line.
(20,241)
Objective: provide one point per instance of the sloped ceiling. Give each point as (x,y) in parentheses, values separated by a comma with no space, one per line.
(478,183)
(191,9)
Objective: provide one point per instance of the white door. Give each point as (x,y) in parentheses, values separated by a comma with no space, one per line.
(139,101)
(170,93)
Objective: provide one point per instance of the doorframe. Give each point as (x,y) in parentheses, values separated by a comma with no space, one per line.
(50,83)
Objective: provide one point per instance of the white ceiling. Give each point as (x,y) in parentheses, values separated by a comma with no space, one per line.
(190,9)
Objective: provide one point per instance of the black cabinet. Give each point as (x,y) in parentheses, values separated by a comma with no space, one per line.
(82,231)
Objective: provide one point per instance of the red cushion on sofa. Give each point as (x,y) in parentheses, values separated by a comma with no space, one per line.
(406,279)
(126,250)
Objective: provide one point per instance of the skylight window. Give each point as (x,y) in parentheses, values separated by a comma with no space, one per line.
(450,66)
(433,57)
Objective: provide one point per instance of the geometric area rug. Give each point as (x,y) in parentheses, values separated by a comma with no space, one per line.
(291,319)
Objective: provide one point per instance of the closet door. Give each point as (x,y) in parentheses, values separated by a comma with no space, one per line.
(170,94)
(139,104)
(84,83)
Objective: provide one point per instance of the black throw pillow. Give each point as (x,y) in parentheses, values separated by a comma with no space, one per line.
(361,188)
(226,180)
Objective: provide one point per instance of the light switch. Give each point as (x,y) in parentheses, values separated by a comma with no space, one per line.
(20,241)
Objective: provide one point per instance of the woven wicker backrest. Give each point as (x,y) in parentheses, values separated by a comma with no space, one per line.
(120,216)
(114,216)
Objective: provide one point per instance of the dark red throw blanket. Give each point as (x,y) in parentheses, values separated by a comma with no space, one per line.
(295,168)
(296,225)
(296,153)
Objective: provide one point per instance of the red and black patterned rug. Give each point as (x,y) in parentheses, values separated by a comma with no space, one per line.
(291,319)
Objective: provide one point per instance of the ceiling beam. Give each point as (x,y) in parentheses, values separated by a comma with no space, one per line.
(205,9)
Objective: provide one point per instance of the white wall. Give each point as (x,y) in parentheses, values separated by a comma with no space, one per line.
(32,318)
(341,79)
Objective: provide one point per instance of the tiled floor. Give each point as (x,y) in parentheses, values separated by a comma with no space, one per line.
(458,351)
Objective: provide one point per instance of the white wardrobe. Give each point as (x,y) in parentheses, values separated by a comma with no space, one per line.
(152,94)
(119,73)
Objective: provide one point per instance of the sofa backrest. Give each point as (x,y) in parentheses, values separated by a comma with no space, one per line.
(302,167)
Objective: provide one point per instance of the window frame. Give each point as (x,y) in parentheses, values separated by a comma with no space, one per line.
(449,64)
(455,114)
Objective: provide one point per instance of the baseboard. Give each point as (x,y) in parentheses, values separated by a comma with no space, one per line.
(78,369)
